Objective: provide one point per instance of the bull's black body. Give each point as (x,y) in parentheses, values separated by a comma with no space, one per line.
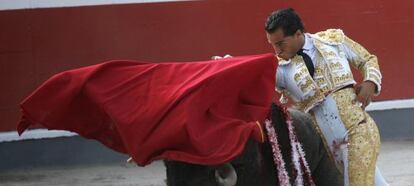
(255,165)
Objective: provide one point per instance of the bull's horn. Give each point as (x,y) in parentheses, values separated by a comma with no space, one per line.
(226,175)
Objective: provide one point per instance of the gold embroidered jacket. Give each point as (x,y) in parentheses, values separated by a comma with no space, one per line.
(335,52)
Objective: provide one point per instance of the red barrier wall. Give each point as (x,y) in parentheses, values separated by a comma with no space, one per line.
(36,43)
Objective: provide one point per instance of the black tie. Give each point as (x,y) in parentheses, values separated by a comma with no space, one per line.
(308,62)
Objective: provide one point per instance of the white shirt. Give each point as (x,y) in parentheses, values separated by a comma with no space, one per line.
(309,48)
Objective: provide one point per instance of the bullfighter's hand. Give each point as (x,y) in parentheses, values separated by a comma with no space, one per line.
(219,57)
(365,91)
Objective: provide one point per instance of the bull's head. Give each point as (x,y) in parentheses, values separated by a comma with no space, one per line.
(244,170)
(184,174)
(255,165)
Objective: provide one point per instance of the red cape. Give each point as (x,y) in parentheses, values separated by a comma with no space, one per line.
(198,112)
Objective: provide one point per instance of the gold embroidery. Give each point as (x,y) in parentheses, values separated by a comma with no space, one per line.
(320,81)
(374,80)
(335,66)
(308,103)
(329,54)
(373,71)
(329,74)
(307,85)
(364,61)
(342,78)
(320,74)
(364,140)
(325,89)
(318,71)
(332,36)
(299,75)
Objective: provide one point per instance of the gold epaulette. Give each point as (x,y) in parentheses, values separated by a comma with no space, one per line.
(331,36)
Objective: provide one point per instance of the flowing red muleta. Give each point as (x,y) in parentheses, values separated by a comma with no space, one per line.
(197,112)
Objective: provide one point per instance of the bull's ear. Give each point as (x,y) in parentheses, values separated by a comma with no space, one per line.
(226,175)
